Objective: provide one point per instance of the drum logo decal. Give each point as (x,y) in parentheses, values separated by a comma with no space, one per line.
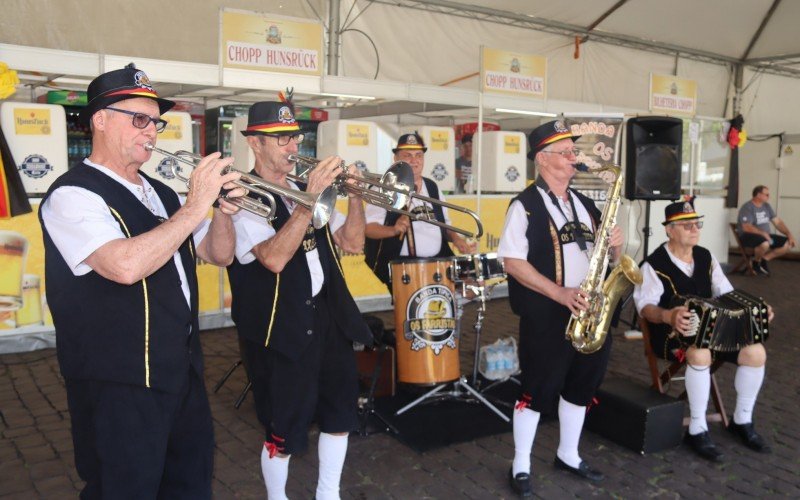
(430,319)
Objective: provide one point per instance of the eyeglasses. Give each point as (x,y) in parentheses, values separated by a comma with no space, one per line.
(283,140)
(141,120)
(689,225)
(566,153)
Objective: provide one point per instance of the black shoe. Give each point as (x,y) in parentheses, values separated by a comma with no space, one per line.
(703,446)
(760,267)
(521,483)
(749,436)
(583,470)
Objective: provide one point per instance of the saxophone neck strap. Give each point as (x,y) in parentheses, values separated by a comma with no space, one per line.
(577,234)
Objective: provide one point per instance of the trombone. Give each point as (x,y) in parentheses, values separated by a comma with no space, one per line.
(321,205)
(394,191)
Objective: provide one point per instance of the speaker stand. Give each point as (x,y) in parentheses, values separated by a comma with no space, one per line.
(646,230)
(634,332)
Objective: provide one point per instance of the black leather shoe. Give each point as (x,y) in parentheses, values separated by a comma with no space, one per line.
(583,470)
(521,483)
(749,436)
(703,446)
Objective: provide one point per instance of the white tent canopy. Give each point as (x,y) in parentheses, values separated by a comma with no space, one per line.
(436,42)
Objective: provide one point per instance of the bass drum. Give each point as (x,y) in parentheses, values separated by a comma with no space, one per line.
(426,327)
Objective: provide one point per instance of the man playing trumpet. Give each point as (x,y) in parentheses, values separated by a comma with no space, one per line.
(120,251)
(295,316)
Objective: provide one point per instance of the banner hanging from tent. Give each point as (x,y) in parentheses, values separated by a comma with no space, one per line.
(513,73)
(266,42)
(673,95)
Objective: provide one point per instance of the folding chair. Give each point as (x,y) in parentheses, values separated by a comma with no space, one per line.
(746,263)
(661,379)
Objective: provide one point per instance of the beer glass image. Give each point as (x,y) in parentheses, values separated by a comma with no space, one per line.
(13,250)
(31,311)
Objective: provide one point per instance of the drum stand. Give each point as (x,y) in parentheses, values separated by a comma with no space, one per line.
(482,293)
(462,390)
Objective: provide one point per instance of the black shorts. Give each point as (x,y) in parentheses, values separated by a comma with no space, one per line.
(752,240)
(321,385)
(135,442)
(551,367)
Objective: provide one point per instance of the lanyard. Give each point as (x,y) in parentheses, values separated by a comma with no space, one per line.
(576,225)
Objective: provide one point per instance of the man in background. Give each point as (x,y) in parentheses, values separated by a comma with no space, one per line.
(754,220)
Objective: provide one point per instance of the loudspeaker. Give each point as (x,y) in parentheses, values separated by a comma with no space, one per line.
(636,416)
(653,158)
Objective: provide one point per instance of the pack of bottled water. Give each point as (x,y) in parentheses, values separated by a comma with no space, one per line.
(499,360)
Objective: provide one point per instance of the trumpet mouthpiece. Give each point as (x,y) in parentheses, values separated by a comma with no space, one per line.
(149,146)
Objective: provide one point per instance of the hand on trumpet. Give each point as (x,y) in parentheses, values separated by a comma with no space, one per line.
(207,181)
(353,177)
(323,175)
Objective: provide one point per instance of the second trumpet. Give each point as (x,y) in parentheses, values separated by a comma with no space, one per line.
(320,205)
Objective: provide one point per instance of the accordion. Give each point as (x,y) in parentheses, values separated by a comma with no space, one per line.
(727,323)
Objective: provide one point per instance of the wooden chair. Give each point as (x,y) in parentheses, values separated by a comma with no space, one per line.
(661,379)
(746,262)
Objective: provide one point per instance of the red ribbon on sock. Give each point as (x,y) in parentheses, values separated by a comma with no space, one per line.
(272,448)
(523,403)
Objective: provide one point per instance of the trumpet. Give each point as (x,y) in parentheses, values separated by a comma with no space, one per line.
(320,205)
(391,191)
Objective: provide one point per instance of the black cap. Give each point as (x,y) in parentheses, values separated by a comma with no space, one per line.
(271,118)
(678,211)
(118,85)
(409,142)
(546,134)
(466,138)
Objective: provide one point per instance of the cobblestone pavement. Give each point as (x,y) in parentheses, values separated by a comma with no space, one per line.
(36,448)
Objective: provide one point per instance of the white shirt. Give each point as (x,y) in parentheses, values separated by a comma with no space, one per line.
(252,229)
(651,289)
(427,237)
(514,242)
(79,222)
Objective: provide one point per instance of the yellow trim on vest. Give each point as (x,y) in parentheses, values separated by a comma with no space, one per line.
(557,255)
(146,308)
(671,284)
(333,251)
(274,308)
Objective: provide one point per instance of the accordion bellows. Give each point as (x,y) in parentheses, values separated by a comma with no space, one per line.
(727,323)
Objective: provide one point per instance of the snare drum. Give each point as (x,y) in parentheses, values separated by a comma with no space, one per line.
(425,321)
(477,267)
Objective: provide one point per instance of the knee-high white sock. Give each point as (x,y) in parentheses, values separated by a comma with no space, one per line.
(275,471)
(698,385)
(332,450)
(525,422)
(747,382)
(570,422)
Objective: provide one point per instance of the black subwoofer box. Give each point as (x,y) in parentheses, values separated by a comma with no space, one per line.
(636,416)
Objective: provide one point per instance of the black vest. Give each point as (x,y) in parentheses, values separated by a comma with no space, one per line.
(675,282)
(544,252)
(379,252)
(142,334)
(275,310)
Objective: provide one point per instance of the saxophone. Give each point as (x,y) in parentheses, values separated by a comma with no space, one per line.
(587,331)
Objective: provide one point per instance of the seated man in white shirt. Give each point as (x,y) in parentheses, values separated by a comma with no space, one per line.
(682,267)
